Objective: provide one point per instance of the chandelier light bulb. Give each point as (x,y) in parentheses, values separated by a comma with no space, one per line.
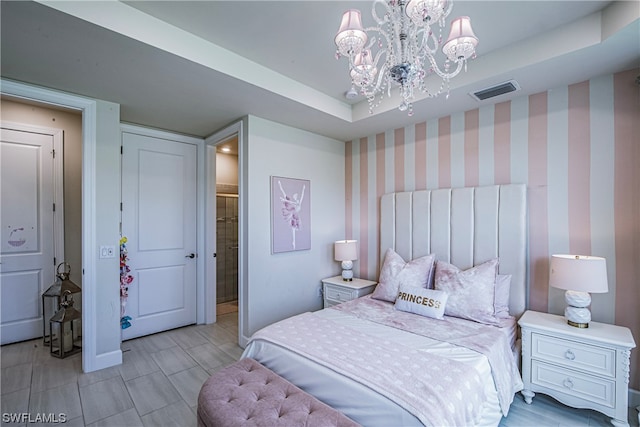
(405,46)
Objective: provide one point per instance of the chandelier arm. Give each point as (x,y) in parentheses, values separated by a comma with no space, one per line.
(388,12)
(379,31)
(380,78)
(446,13)
(443,75)
(430,36)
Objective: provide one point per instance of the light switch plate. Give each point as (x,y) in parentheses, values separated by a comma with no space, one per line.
(107,251)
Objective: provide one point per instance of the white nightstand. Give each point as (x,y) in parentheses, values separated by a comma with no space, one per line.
(336,290)
(583,368)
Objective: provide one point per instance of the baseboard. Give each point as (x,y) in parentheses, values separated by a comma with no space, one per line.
(106,360)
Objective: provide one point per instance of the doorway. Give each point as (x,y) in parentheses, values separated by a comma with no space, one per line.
(50,136)
(227,227)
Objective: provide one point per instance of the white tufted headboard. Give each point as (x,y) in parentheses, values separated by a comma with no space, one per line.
(463,226)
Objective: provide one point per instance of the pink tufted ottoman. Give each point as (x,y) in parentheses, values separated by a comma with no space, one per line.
(249,394)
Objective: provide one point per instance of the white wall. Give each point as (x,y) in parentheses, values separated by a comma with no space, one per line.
(285,284)
(226,169)
(107,224)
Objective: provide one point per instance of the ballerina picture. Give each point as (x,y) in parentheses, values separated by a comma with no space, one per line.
(290,216)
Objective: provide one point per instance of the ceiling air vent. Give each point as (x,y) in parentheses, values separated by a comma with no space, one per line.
(500,89)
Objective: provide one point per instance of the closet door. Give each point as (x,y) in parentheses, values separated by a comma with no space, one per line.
(159,221)
(27,264)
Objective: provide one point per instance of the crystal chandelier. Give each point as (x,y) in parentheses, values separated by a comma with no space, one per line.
(400,50)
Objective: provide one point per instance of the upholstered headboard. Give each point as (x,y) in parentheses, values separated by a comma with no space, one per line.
(462,226)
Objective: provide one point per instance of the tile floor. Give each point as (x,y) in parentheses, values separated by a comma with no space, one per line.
(156,385)
(159,381)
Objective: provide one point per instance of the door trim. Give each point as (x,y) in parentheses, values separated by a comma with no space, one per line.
(58,181)
(201,302)
(91,361)
(211,141)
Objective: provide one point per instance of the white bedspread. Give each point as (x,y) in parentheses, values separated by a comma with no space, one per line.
(437,390)
(360,402)
(488,340)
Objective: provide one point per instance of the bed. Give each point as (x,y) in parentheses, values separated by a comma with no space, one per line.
(381,365)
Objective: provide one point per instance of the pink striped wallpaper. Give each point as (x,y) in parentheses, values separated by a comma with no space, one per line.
(576,147)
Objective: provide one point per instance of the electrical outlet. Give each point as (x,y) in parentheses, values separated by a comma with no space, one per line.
(320,291)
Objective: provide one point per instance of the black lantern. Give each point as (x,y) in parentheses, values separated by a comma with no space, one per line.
(52,297)
(65,337)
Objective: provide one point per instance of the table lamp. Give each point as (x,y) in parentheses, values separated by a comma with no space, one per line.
(578,275)
(346,251)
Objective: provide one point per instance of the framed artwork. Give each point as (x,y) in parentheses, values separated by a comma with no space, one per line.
(290,214)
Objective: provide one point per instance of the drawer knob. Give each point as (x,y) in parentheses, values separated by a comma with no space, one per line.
(569,355)
(568,383)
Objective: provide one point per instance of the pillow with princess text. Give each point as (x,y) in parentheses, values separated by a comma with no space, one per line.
(471,292)
(425,302)
(395,271)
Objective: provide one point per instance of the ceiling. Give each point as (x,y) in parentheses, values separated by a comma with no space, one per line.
(196,66)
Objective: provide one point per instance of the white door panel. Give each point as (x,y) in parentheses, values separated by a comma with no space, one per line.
(159,221)
(27,198)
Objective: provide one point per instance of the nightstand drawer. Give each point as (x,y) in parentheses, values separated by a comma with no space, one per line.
(594,359)
(580,385)
(340,295)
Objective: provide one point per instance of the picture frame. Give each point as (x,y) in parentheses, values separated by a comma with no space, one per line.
(290,214)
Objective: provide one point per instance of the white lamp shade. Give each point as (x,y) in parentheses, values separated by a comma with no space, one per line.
(363,71)
(351,36)
(579,273)
(462,41)
(345,250)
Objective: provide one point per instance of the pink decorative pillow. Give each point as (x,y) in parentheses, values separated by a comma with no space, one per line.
(471,292)
(501,302)
(395,271)
(425,302)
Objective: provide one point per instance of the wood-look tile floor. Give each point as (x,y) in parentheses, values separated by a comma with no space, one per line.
(160,377)
(156,385)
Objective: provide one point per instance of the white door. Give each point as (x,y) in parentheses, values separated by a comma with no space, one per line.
(27,198)
(159,221)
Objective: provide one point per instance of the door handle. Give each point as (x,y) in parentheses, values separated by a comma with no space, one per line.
(191,255)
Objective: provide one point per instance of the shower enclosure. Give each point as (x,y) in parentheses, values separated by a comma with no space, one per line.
(227,248)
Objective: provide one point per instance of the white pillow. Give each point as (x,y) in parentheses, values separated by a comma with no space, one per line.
(425,302)
(501,302)
(395,271)
(471,292)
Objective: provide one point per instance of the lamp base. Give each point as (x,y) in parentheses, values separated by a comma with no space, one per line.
(577,312)
(347,273)
(577,325)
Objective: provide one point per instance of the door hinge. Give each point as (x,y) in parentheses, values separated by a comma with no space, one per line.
(54,261)
(121,149)
(120,206)
(53,152)
(54,207)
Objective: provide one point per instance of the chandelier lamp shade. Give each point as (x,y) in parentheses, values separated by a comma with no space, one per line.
(400,50)
(578,275)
